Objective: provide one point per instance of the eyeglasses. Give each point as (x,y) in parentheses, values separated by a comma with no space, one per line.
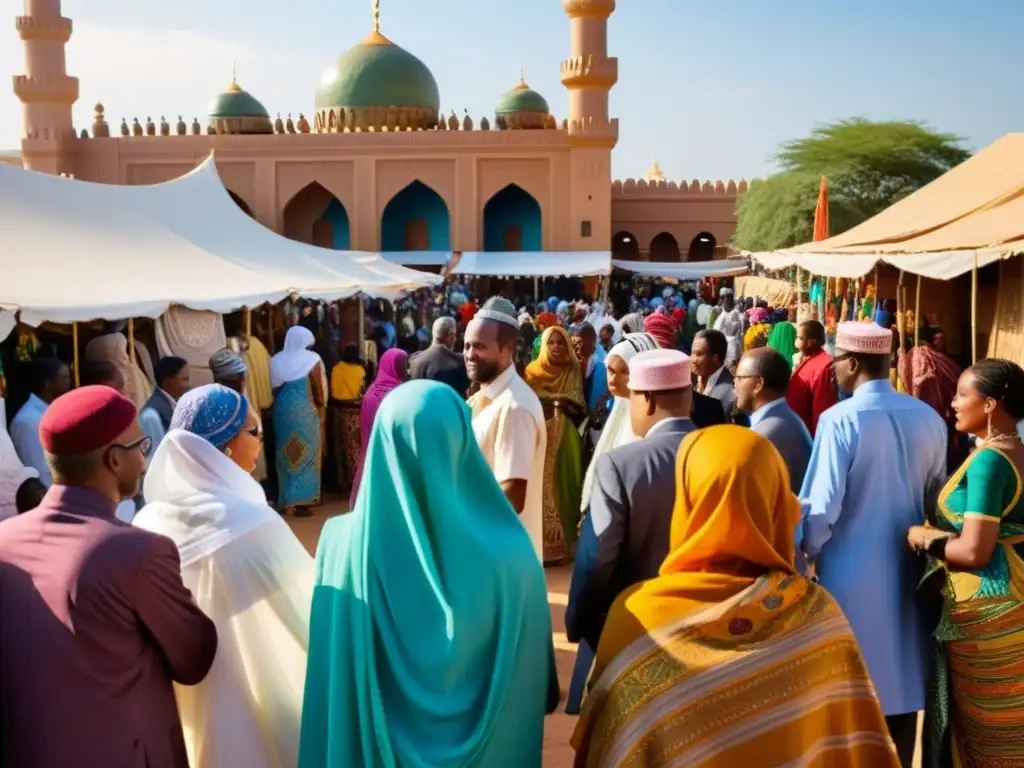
(255,432)
(144,445)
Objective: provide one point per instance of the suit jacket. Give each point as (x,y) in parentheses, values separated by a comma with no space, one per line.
(625,534)
(707,412)
(725,392)
(781,425)
(438,363)
(161,404)
(96,624)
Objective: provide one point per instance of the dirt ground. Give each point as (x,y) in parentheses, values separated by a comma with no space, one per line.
(557,727)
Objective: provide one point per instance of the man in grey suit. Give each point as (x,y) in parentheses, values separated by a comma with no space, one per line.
(625,536)
(714,379)
(762,378)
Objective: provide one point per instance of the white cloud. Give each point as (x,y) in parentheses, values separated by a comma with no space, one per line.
(142,73)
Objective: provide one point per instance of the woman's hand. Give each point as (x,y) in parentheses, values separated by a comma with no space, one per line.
(920,536)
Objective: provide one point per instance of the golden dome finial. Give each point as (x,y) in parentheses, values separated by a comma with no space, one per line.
(234,87)
(375,37)
(522,86)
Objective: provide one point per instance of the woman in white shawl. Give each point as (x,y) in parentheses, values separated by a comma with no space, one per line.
(247,572)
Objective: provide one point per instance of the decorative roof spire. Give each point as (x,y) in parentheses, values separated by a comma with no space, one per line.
(654,174)
(375,37)
(376,16)
(522,86)
(234,87)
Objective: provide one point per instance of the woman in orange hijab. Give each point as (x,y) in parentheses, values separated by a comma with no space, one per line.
(729,657)
(557,378)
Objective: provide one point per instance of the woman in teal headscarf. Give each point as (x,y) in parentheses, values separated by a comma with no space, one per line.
(430,635)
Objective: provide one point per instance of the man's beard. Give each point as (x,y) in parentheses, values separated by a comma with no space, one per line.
(485,373)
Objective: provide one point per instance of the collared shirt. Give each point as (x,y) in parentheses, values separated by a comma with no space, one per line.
(25,436)
(665,423)
(712,380)
(765,410)
(151,425)
(878,458)
(508,422)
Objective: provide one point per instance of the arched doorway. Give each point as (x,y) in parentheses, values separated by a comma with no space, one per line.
(625,246)
(702,247)
(512,221)
(240,203)
(317,217)
(664,248)
(416,219)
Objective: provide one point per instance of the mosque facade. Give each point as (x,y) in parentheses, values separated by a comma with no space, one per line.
(519,180)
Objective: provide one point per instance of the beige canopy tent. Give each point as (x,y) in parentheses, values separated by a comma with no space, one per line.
(968,218)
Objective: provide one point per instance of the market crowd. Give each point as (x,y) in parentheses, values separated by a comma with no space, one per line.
(789,537)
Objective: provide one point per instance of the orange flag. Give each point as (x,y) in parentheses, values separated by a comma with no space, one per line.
(821,213)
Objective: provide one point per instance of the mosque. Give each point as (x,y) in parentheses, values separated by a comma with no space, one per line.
(520,180)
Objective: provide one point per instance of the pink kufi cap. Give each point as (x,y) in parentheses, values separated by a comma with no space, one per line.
(659,370)
(863,338)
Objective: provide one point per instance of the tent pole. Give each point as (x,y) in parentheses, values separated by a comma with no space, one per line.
(248,324)
(536,291)
(131,340)
(917,312)
(74,344)
(270,328)
(900,319)
(362,327)
(974,310)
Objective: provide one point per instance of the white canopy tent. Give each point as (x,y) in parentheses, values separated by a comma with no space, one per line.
(417,258)
(534,263)
(76,251)
(694,270)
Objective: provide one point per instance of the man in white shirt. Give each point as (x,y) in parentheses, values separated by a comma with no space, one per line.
(50,379)
(507,416)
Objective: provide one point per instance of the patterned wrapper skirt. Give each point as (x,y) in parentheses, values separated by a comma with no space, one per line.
(345,436)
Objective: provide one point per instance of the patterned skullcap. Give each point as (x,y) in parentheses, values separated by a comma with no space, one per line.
(632,345)
(662,326)
(863,338)
(85,419)
(212,412)
(226,364)
(659,370)
(500,310)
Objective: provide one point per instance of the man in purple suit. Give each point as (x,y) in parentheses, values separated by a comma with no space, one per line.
(95,622)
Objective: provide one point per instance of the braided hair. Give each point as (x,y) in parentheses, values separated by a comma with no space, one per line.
(1003,381)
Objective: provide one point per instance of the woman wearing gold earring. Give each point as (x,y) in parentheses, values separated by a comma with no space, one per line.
(977,538)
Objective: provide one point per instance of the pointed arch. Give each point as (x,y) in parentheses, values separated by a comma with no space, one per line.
(664,247)
(315,216)
(625,246)
(240,203)
(702,247)
(512,221)
(415,219)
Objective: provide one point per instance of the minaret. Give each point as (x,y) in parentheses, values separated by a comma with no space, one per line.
(590,73)
(46,91)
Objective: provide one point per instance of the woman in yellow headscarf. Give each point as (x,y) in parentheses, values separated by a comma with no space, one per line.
(557,378)
(729,657)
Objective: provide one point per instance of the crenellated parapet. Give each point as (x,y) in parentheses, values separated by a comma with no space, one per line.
(42,89)
(593,132)
(51,30)
(645,188)
(589,9)
(590,71)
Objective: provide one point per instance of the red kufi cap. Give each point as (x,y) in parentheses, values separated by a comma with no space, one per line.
(85,419)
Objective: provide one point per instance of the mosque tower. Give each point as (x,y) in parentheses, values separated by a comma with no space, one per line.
(46,91)
(589,75)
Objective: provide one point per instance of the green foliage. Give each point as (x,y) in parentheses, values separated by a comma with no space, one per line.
(869,166)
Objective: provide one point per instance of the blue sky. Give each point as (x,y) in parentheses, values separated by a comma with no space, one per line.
(709,87)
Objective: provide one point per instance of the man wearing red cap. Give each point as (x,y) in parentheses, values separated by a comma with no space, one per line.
(96,621)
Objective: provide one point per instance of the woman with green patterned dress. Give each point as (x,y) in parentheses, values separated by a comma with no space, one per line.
(975,714)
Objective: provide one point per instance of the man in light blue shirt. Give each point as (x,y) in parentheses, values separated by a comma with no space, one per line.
(50,379)
(762,378)
(879,459)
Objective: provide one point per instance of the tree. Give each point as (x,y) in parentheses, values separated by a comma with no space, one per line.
(869,167)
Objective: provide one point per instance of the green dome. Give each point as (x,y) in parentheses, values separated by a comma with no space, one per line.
(377,73)
(234,102)
(521,99)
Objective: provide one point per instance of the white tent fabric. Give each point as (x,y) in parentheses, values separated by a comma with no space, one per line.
(534,263)
(417,258)
(77,251)
(692,270)
(938,265)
